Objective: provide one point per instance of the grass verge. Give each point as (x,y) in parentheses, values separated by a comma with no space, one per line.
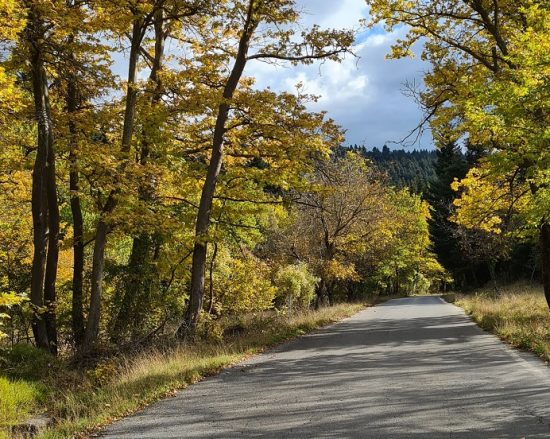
(518,314)
(82,401)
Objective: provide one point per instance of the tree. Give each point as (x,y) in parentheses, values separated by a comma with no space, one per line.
(141,277)
(133,19)
(274,42)
(37,41)
(450,165)
(489,215)
(490,88)
(84,67)
(337,220)
(356,232)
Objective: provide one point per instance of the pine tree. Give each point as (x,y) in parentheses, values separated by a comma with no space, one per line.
(450,165)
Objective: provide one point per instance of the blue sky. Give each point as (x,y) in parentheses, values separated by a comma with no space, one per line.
(363,95)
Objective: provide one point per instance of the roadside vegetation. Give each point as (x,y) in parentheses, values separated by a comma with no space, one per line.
(517,313)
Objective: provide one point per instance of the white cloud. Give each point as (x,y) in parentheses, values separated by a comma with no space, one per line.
(364,94)
(333,14)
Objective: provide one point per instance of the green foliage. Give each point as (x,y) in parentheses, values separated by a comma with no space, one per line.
(296,286)
(19,398)
(405,169)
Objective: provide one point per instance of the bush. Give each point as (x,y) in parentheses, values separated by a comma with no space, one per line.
(242,285)
(296,286)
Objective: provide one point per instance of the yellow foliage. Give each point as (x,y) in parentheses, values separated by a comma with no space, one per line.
(488,201)
(242,284)
(492,90)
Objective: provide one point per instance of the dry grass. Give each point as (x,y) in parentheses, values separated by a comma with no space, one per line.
(518,314)
(81,401)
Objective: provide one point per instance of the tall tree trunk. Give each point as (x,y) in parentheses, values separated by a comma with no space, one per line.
(45,212)
(321,293)
(39,215)
(330,293)
(140,280)
(53,249)
(198,269)
(102,229)
(77,311)
(98,264)
(211,278)
(545,257)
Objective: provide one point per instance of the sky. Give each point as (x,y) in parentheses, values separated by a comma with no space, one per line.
(364,94)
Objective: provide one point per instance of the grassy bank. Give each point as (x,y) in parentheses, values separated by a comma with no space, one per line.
(80,401)
(518,314)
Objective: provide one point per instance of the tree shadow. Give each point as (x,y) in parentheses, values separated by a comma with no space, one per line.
(410,368)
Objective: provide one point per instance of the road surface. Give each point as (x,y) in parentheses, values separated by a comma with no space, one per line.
(411,368)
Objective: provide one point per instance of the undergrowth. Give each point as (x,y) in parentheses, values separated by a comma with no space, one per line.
(517,313)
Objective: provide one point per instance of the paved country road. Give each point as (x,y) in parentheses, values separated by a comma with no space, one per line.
(410,368)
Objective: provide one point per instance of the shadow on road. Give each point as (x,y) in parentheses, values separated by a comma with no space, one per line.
(411,368)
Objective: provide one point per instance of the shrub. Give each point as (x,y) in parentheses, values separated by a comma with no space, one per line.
(242,285)
(296,286)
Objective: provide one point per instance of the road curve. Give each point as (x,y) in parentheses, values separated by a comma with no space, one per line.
(411,368)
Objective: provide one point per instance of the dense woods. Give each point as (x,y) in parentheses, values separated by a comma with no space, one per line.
(406,168)
(154,204)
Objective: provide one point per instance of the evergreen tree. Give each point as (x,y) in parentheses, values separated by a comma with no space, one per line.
(405,169)
(451,164)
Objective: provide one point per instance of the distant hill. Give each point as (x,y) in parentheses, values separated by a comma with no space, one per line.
(413,169)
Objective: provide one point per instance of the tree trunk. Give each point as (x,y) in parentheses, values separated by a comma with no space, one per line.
(53,249)
(44,198)
(545,258)
(98,262)
(77,310)
(139,282)
(330,292)
(321,293)
(212,262)
(39,215)
(493,274)
(198,269)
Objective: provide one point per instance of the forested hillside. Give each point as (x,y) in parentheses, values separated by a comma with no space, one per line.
(472,257)
(413,169)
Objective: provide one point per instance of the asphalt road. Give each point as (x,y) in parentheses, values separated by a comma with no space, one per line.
(411,368)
